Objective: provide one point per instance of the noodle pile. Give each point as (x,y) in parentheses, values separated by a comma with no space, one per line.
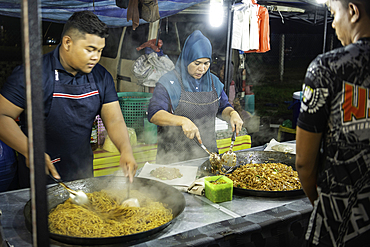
(104,216)
(266,177)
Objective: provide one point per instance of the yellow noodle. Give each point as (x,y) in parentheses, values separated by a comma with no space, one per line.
(106,217)
(266,177)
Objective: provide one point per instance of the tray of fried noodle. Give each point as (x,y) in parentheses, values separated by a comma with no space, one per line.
(261,173)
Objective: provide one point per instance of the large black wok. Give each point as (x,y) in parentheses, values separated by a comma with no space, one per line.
(257,157)
(164,193)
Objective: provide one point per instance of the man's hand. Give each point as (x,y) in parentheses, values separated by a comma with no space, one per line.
(129,166)
(49,166)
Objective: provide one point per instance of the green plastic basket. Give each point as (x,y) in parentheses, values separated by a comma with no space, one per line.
(134,106)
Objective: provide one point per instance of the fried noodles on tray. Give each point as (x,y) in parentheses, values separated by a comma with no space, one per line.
(106,217)
(266,177)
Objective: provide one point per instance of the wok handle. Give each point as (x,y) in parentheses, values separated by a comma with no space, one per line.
(233,137)
(55,180)
(59,181)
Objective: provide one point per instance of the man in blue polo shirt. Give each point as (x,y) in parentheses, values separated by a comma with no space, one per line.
(76,89)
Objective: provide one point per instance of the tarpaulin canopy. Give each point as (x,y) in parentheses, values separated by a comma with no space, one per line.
(106,10)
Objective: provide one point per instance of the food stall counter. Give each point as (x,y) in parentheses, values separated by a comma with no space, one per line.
(245,219)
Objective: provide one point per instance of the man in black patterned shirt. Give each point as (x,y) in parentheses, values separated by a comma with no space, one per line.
(333,133)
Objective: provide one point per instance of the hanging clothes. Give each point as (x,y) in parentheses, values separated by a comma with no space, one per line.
(241,29)
(263,30)
(254,34)
(251,30)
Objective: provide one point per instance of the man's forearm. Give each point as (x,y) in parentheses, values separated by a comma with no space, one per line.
(308,181)
(307,160)
(12,135)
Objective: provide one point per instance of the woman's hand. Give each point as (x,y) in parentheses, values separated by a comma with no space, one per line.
(164,118)
(232,116)
(236,121)
(190,129)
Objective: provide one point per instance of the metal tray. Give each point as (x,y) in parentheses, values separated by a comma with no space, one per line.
(258,157)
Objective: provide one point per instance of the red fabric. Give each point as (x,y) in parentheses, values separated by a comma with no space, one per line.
(264,30)
(263,19)
(133,13)
(151,44)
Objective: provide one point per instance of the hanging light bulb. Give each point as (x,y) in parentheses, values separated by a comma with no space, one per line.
(216,13)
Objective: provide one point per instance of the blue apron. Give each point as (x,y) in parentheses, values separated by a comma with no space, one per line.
(68,130)
(199,107)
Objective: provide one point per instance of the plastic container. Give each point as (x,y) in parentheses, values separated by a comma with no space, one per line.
(222,191)
(297,98)
(249,103)
(134,106)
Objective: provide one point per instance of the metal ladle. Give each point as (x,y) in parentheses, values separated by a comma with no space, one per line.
(79,197)
(128,201)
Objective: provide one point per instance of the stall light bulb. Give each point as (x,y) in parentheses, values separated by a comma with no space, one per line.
(216,13)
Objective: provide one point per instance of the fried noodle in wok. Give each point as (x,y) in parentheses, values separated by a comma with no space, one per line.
(104,216)
(266,177)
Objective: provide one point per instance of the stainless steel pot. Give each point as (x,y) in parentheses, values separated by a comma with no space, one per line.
(166,194)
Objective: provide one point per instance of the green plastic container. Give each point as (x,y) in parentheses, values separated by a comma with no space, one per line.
(220,192)
(134,106)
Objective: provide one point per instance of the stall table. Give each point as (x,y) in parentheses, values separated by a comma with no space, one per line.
(258,221)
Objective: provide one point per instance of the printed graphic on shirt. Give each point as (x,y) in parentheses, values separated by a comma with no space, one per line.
(348,209)
(355,110)
(313,98)
(354,102)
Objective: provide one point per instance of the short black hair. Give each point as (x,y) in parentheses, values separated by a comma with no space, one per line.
(365,3)
(85,22)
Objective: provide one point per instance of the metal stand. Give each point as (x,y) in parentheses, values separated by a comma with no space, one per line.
(230,17)
(32,58)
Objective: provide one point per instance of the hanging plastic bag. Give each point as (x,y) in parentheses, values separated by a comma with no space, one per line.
(148,68)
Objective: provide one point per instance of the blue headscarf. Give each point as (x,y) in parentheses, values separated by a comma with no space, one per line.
(196,46)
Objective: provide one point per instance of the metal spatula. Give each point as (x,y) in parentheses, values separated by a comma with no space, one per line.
(229,158)
(214,158)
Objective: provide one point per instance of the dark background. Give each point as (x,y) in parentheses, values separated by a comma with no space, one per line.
(273,95)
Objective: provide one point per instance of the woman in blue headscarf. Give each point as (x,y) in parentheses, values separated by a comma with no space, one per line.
(186,102)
